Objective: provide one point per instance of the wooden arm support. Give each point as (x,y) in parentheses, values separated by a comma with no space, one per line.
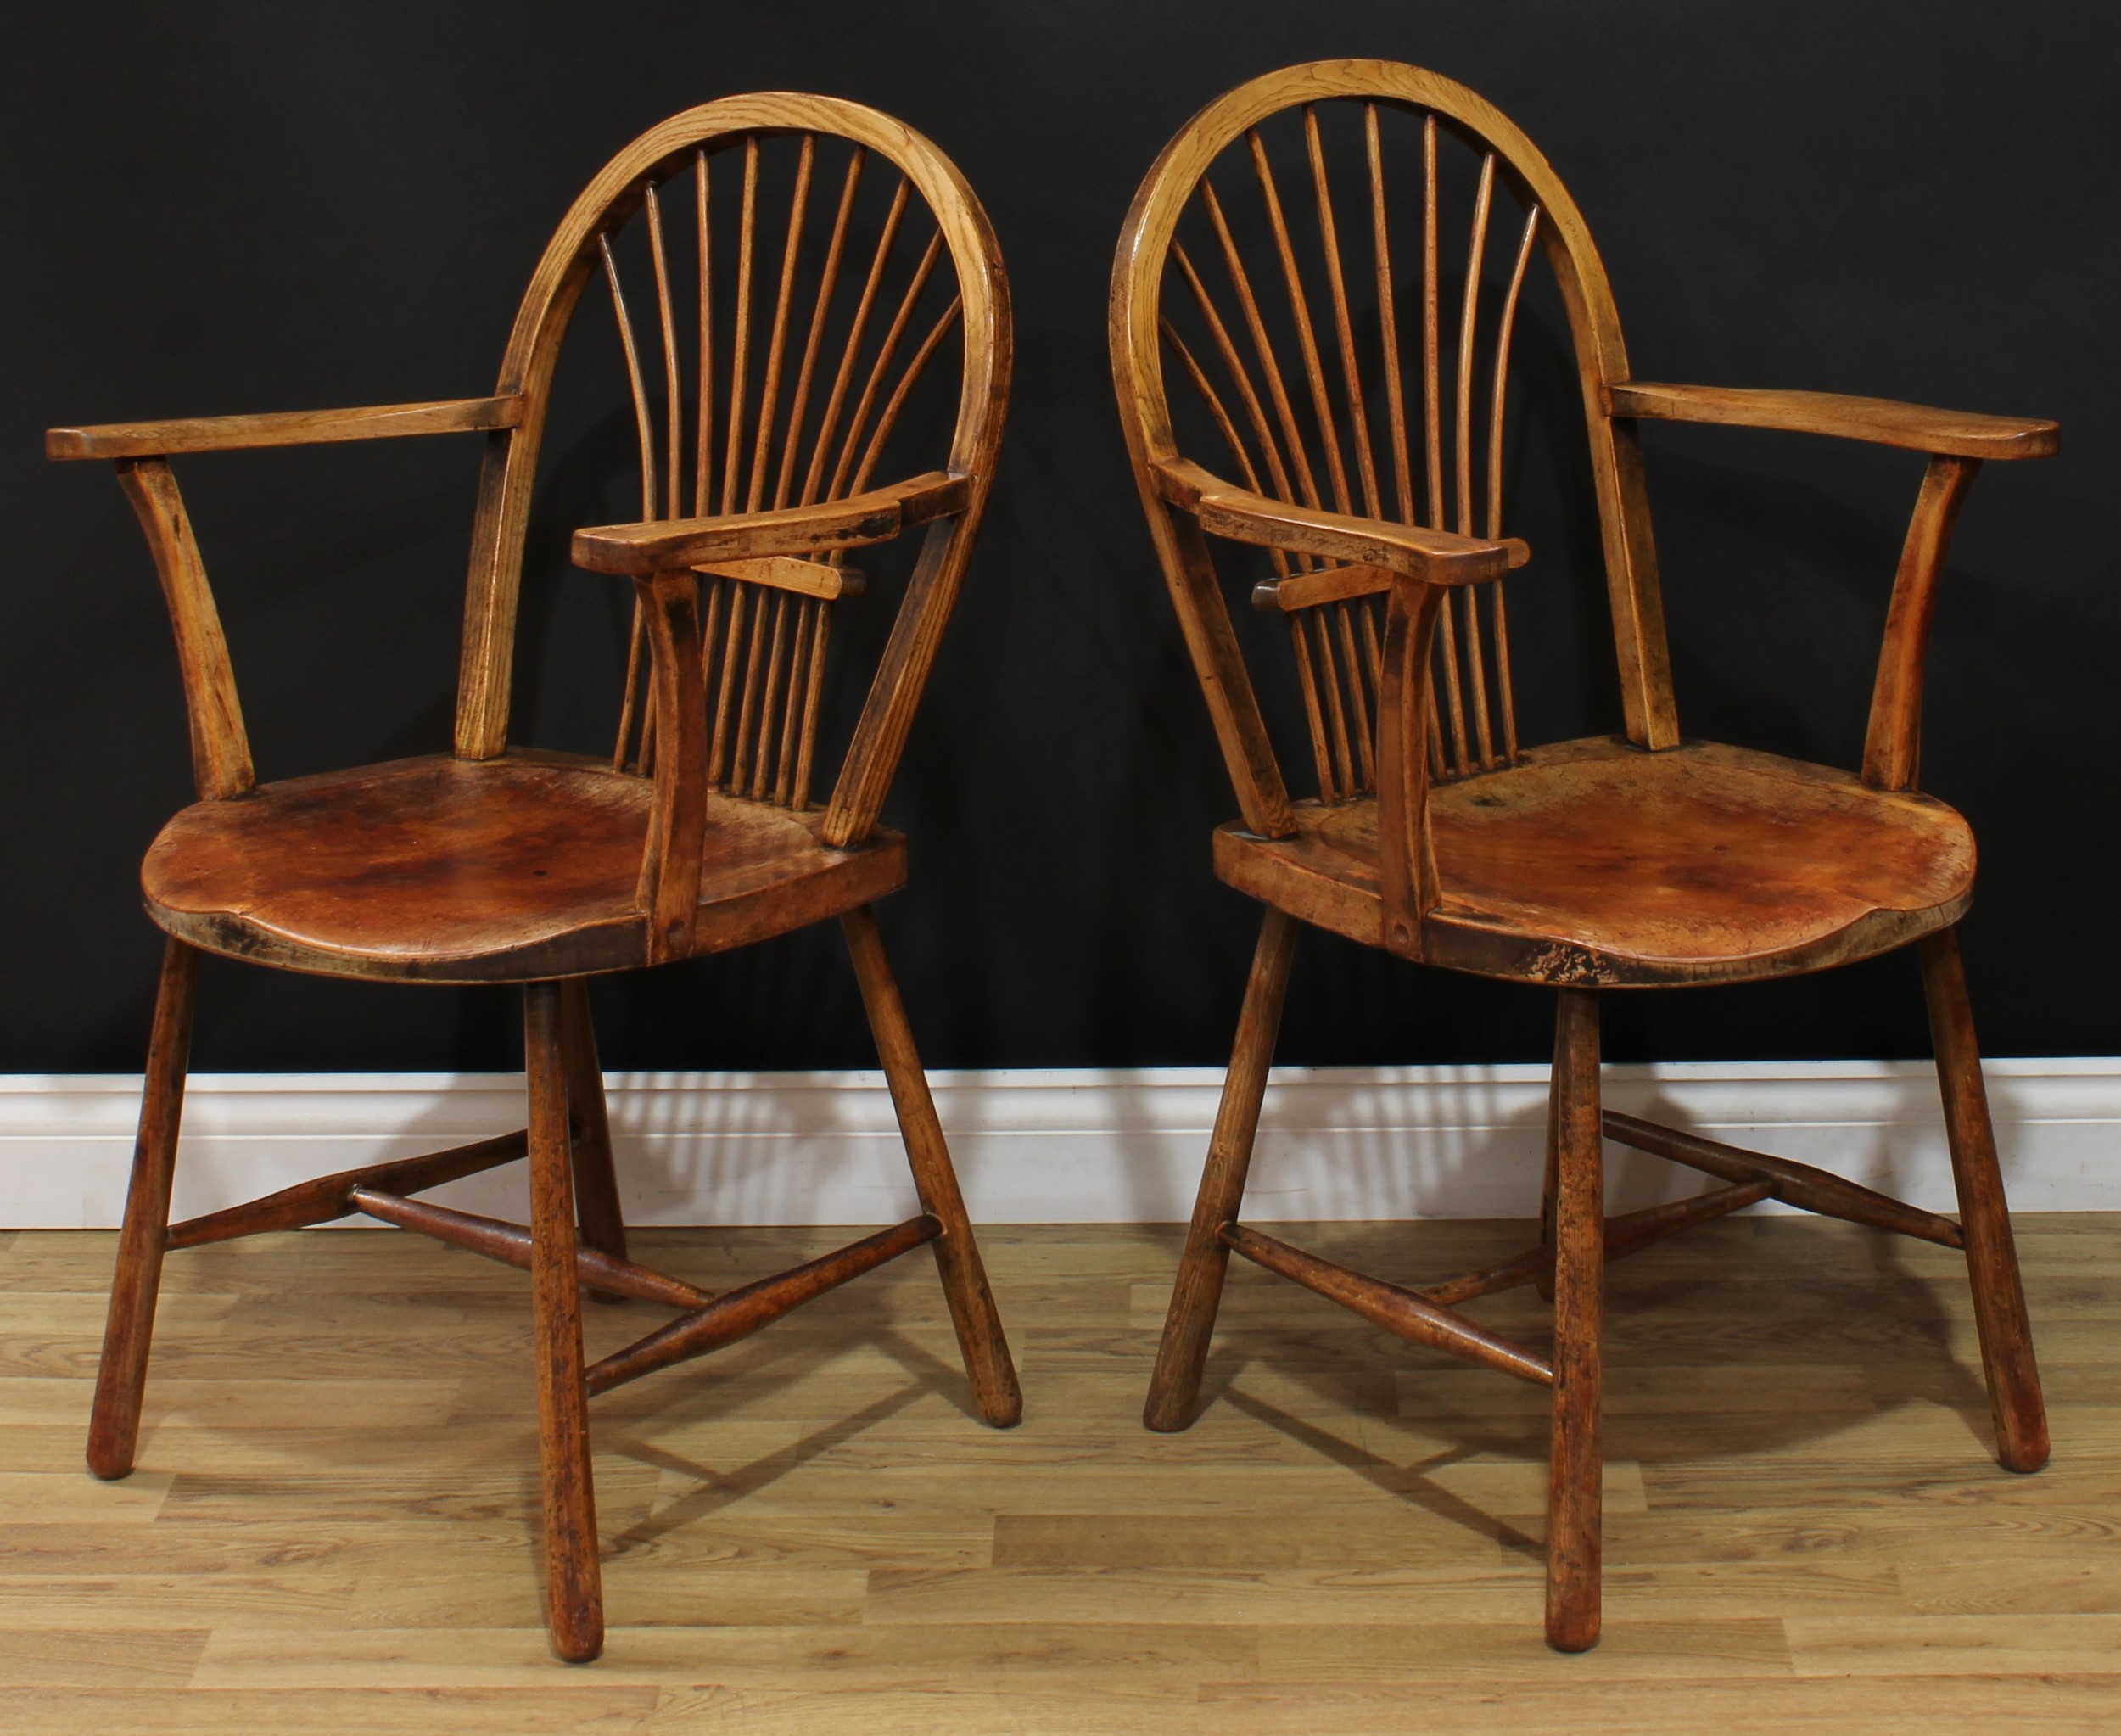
(817,579)
(290,427)
(669,891)
(1945,433)
(1435,556)
(1957,443)
(1892,741)
(1407,862)
(1303,591)
(877,515)
(221,750)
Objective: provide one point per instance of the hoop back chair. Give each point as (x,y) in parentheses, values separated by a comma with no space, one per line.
(1352,383)
(700,831)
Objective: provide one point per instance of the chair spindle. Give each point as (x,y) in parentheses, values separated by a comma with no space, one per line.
(1473,723)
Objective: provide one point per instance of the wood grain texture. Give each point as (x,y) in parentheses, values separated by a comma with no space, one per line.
(1437,557)
(1593,862)
(1628,1234)
(1999,1296)
(1405,1314)
(1804,1530)
(988,1364)
(1893,741)
(1794,1183)
(1576,1526)
(875,516)
(291,428)
(1197,1293)
(597,1212)
(573,1586)
(1945,433)
(327,1197)
(805,577)
(1322,585)
(511,1245)
(220,749)
(712,1323)
(129,1328)
(446,869)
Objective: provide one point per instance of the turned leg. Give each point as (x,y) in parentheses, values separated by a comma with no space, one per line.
(573,1583)
(957,1256)
(1190,1321)
(1985,1217)
(114,1425)
(602,1224)
(1574,1491)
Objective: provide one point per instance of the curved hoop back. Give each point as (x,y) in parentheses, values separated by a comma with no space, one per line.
(1276,355)
(801,359)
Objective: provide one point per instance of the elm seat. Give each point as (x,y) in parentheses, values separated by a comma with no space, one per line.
(1593,862)
(467,871)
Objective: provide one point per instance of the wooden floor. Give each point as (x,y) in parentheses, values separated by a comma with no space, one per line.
(332,1529)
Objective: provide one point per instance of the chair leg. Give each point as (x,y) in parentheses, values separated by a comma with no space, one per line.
(1195,1297)
(1000,1400)
(602,1224)
(113,1426)
(1985,1217)
(1544,1283)
(1574,1494)
(573,1582)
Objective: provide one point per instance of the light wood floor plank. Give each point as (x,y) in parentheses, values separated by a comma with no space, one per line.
(810,1532)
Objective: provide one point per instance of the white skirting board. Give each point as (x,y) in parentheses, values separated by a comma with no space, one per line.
(1064,1146)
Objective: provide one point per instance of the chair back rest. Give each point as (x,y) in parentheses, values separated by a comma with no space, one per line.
(806,259)
(1337,348)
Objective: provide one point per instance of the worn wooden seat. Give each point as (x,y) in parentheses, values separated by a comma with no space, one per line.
(1593,863)
(1340,428)
(793,342)
(441,870)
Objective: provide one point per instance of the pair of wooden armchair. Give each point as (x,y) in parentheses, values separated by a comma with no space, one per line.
(1315,369)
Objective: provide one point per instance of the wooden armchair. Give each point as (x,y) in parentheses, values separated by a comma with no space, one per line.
(699,833)
(1367,461)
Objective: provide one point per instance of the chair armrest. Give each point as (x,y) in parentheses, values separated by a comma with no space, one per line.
(1435,556)
(1949,433)
(667,544)
(288,428)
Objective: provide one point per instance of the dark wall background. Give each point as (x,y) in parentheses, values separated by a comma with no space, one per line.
(248,207)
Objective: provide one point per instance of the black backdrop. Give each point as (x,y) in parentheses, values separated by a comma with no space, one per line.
(229,208)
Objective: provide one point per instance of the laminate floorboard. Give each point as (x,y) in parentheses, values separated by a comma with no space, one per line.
(332,1526)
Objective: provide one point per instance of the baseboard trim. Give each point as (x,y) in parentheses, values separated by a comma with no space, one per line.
(1063,1146)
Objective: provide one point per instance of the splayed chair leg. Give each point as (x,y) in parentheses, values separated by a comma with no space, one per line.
(1190,1322)
(1544,1284)
(121,1377)
(979,1327)
(1984,1217)
(1574,1518)
(574,1582)
(602,1224)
